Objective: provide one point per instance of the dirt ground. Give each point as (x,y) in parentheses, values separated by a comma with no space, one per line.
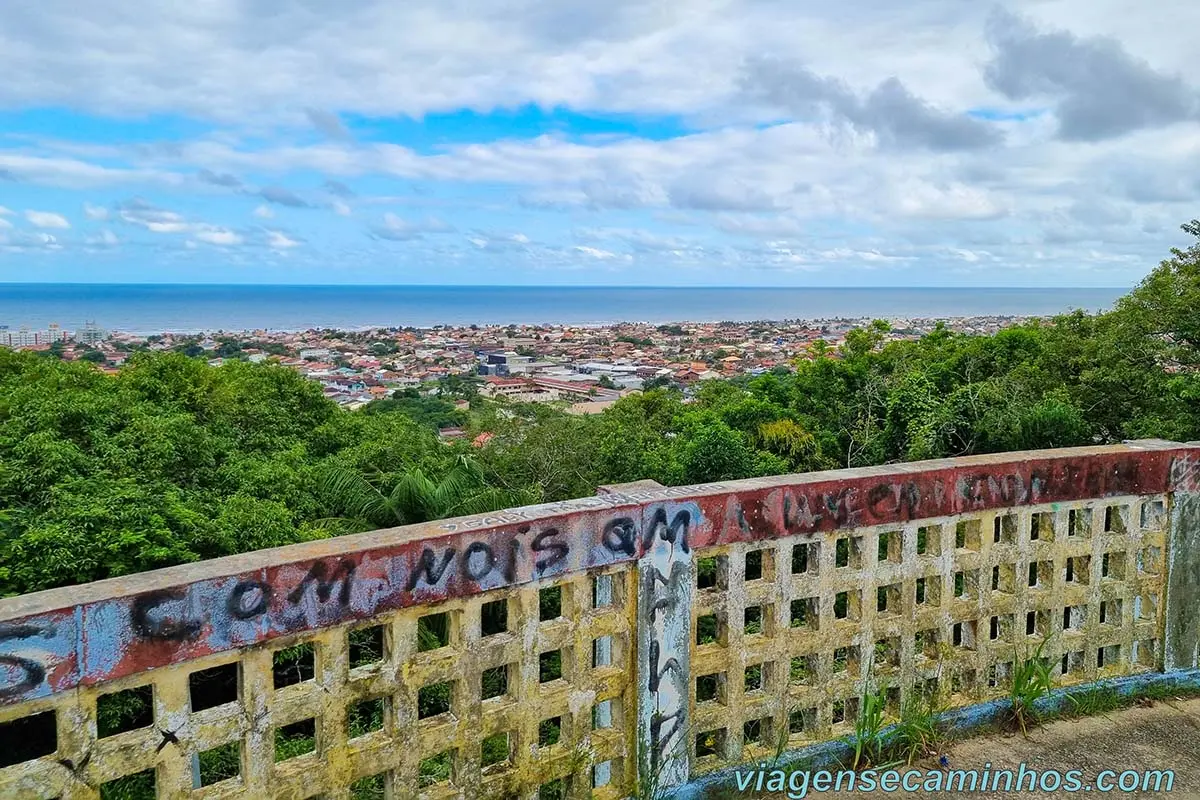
(1164,736)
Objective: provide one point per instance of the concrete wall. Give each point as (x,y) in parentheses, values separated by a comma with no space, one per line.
(695,627)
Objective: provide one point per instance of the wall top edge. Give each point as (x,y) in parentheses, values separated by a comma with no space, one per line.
(615,498)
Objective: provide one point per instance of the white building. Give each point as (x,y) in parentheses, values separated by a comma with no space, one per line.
(24,337)
(90,334)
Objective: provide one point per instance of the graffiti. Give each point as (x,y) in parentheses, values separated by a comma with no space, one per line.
(470,566)
(18,674)
(150,616)
(664,635)
(343,573)
(126,635)
(558,550)
(430,569)
(62,643)
(535,513)
(1088,478)
(805,513)
(798,516)
(249,599)
(620,536)
(1185,473)
(674,532)
(902,500)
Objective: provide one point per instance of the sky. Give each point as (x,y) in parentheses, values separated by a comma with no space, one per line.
(576,142)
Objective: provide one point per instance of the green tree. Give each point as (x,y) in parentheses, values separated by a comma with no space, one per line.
(415,496)
(715,452)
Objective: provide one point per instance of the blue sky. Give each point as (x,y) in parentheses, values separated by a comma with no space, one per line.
(743,142)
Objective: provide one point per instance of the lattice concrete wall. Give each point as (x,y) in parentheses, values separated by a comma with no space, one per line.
(552,652)
(789,633)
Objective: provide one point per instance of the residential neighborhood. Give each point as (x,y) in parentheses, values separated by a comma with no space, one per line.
(583,368)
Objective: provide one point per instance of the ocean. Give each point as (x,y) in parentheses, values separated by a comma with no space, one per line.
(150,308)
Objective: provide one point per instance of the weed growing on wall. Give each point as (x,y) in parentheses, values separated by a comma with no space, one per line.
(1032,680)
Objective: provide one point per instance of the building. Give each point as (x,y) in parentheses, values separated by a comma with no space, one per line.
(503,363)
(519,390)
(24,337)
(90,334)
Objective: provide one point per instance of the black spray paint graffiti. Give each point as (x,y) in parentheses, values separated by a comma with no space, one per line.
(21,673)
(164,615)
(325,581)
(478,560)
(150,617)
(666,613)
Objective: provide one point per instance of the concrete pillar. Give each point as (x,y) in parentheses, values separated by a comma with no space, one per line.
(1181,642)
(666,583)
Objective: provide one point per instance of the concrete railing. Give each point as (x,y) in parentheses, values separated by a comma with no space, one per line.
(559,650)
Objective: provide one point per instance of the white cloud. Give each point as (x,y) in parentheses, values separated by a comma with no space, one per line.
(923,200)
(860,132)
(95,212)
(47,219)
(280,241)
(105,238)
(598,253)
(219,236)
(73,173)
(237,61)
(398,229)
(5,223)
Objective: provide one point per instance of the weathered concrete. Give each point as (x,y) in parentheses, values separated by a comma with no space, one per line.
(1161,736)
(932,576)
(1182,637)
(667,577)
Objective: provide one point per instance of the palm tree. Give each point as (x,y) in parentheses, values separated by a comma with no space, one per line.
(416,496)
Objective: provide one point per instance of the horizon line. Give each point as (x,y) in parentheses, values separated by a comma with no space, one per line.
(538,286)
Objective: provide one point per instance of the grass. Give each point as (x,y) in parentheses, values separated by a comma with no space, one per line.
(1032,679)
(650,785)
(122,711)
(918,733)
(366,645)
(867,742)
(1100,700)
(369,788)
(433,632)
(220,763)
(801,670)
(921,732)
(494,750)
(364,717)
(139,786)
(435,769)
(294,740)
(1088,703)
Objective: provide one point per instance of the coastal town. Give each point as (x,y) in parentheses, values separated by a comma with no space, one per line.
(583,368)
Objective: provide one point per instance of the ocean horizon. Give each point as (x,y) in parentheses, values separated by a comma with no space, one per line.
(153,308)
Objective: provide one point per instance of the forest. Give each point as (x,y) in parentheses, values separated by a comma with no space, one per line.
(172,460)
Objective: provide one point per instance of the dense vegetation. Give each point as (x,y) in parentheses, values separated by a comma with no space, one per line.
(171,460)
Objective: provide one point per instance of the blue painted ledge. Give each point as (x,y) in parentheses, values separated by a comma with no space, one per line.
(959,722)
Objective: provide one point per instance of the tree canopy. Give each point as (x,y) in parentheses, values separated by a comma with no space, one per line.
(170,460)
